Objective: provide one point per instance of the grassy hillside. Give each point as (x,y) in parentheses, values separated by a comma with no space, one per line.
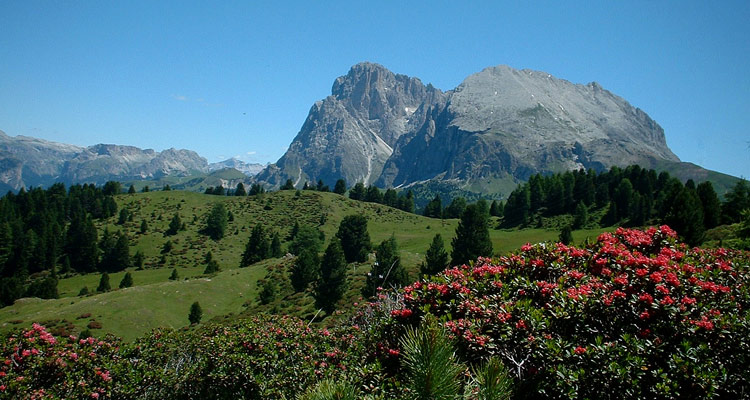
(156,301)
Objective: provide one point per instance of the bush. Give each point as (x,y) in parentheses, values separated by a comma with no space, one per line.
(635,315)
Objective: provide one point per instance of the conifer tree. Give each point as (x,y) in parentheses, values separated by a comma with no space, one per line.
(307,237)
(127,281)
(566,235)
(581,215)
(373,195)
(103,283)
(216,224)
(434,209)
(138,260)
(131,190)
(174,276)
(240,191)
(406,203)
(472,238)
(174,225)
(305,269)
(436,258)
(257,247)
(212,267)
(268,291)
(275,246)
(387,270)
(686,217)
(288,185)
(340,187)
(144,226)
(496,208)
(196,313)
(455,208)
(332,283)
(711,204)
(358,191)
(355,241)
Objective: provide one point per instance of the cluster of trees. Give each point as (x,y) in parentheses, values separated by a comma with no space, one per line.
(434,209)
(371,194)
(633,196)
(260,246)
(240,190)
(44,231)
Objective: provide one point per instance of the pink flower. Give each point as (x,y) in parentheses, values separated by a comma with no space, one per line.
(580,350)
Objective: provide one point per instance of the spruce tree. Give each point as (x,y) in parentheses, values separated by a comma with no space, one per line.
(711,204)
(257,247)
(306,237)
(275,246)
(174,225)
(472,238)
(138,260)
(268,291)
(357,192)
(354,238)
(332,283)
(288,185)
(131,190)
(127,281)
(305,269)
(387,270)
(434,209)
(566,235)
(340,187)
(455,208)
(144,226)
(174,275)
(496,208)
(581,215)
(212,267)
(686,217)
(240,191)
(103,283)
(216,224)
(196,313)
(436,258)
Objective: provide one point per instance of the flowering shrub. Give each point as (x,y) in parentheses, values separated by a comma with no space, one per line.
(635,315)
(37,365)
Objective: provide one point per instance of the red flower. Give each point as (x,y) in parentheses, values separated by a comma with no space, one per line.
(580,350)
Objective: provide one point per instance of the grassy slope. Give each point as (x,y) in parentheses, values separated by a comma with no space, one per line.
(156,301)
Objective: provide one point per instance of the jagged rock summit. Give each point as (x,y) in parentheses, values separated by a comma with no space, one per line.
(499,125)
(351,133)
(29,162)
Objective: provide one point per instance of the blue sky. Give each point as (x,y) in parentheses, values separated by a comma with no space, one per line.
(238,78)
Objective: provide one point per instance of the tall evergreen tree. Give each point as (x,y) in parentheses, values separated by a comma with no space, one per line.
(711,204)
(258,247)
(455,208)
(406,203)
(144,226)
(240,190)
(390,198)
(115,253)
(307,237)
(436,258)
(517,209)
(373,195)
(472,238)
(131,190)
(340,187)
(305,269)
(332,283)
(81,244)
(275,246)
(358,191)
(127,281)
(174,225)
(686,217)
(196,313)
(737,200)
(216,223)
(354,238)
(288,185)
(566,235)
(496,208)
(434,209)
(103,283)
(581,215)
(321,187)
(387,270)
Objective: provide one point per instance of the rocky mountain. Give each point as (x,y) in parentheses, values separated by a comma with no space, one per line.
(495,129)
(249,169)
(352,132)
(27,162)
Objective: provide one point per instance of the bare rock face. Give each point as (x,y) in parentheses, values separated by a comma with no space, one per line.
(503,120)
(27,162)
(351,133)
(499,124)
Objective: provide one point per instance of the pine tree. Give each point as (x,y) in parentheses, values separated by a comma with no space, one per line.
(321,187)
(144,226)
(138,260)
(240,191)
(212,267)
(436,258)
(127,281)
(131,190)
(517,209)
(358,191)
(496,208)
(711,204)
(373,195)
(174,275)
(472,238)
(566,235)
(216,224)
(581,215)
(434,209)
(332,283)
(174,225)
(306,237)
(103,283)
(267,292)
(406,203)
(305,269)
(288,185)
(390,198)
(257,248)
(686,217)
(196,313)
(354,238)
(81,243)
(387,270)
(276,246)
(455,208)
(340,187)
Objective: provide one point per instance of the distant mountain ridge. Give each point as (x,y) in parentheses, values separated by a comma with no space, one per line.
(497,128)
